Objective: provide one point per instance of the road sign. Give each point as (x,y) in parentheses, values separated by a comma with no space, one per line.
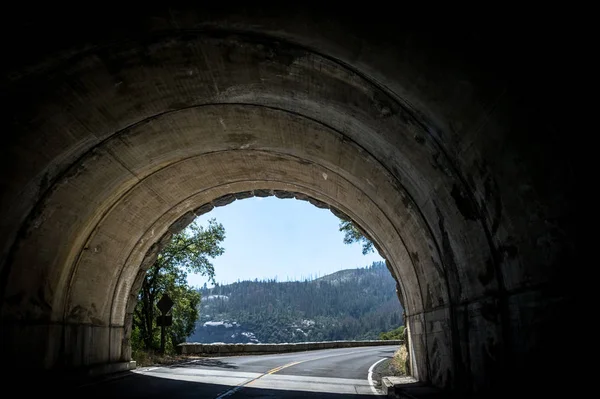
(164,321)
(165,304)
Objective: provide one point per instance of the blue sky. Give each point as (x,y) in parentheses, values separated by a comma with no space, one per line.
(285,239)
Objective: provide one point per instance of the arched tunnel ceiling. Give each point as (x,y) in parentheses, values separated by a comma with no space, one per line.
(174,135)
(132,129)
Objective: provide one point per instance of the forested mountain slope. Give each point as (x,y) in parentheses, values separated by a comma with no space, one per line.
(347,305)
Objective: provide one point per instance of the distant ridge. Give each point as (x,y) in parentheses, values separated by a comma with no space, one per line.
(345,305)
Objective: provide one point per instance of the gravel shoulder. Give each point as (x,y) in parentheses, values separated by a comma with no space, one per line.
(385,369)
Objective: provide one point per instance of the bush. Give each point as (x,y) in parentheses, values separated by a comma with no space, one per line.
(397,333)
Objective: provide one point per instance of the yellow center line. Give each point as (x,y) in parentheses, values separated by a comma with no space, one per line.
(285,366)
(250,382)
(277,369)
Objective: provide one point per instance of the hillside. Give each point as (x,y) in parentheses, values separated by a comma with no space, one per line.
(349,304)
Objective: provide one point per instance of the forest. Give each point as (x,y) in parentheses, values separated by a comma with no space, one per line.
(350,304)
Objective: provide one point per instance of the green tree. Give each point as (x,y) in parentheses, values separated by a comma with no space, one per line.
(397,333)
(353,234)
(188,252)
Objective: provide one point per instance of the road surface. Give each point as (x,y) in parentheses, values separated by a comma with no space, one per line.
(330,373)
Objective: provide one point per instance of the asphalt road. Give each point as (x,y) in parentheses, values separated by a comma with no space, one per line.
(331,373)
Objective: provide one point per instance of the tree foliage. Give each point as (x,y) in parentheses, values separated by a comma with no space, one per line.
(188,252)
(353,234)
(397,333)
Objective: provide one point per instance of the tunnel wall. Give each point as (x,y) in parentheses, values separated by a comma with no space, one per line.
(441,148)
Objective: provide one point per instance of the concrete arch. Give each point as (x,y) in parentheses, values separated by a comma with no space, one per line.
(132,132)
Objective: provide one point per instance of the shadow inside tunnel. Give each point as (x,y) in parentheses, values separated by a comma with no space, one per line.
(134,385)
(205,362)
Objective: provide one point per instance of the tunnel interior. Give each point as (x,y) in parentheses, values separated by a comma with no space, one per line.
(119,136)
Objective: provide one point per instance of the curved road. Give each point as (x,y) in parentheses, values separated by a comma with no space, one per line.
(330,373)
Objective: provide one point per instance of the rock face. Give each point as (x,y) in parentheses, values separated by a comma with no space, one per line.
(454,151)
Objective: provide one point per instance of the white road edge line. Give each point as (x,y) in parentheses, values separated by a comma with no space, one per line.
(276,369)
(370,376)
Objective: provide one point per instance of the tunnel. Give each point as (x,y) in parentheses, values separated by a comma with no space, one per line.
(441,145)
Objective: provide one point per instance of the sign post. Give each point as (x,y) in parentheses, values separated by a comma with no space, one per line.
(164,305)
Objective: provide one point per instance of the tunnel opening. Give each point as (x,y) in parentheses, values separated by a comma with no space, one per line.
(425,140)
(253,308)
(171,196)
(181,228)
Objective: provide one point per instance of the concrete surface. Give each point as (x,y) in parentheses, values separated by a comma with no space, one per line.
(229,349)
(323,373)
(448,148)
(409,388)
(110,368)
(391,385)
